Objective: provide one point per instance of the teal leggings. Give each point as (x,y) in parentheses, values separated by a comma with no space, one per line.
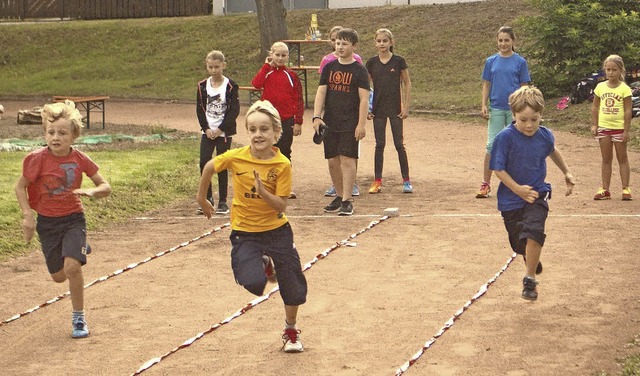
(498,120)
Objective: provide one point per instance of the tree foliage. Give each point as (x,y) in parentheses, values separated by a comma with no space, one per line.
(569,39)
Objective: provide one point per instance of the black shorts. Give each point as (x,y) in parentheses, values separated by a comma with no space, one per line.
(341,143)
(62,237)
(248,266)
(526,223)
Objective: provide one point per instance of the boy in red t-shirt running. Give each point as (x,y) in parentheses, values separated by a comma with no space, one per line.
(51,185)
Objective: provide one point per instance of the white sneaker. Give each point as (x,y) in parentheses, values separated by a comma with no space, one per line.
(80,328)
(291,339)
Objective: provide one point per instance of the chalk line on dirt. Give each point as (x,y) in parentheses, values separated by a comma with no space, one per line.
(115,273)
(346,242)
(329,216)
(483,289)
(550,215)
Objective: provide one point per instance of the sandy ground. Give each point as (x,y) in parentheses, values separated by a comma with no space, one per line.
(370,307)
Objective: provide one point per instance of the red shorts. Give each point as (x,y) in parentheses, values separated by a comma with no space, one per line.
(615,134)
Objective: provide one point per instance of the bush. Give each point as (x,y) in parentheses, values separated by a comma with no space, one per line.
(569,39)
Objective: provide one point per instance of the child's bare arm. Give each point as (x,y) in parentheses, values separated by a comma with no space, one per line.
(406,93)
(102,188)
(486,87)
(628,104)
(595,110)
(279,204)
(318,107)
(363,111)
(557,158)
(525,192)
(28,221)
(203,186)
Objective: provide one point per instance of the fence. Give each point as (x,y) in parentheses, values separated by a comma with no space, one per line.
(102,9)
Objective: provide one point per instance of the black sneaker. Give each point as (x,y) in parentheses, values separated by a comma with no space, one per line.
(529,289)
(346,208)
(223,208)
(334,205)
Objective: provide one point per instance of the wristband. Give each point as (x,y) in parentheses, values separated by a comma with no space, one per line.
(316,117)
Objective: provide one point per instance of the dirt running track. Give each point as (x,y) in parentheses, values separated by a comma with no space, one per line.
(371,307)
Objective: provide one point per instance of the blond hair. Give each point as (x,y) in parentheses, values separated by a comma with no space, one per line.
(526,96)
(265,107)
(334,30)
(616,59)
(215,55)
(62,110)
(279,45)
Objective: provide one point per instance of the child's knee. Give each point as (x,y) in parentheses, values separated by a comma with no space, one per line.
(59,277)
(72,268)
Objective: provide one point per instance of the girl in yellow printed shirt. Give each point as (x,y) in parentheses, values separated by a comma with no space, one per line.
(611,118)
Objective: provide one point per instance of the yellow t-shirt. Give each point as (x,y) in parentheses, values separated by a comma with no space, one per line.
(611,113)
(249,212)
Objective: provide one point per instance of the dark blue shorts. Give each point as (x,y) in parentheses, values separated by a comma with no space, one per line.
(62,237)
(248,267)
(526,223)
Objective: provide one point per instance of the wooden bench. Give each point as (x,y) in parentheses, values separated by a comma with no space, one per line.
(254,93)
(87,103)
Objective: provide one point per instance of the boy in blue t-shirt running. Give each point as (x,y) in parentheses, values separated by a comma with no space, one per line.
(519,161)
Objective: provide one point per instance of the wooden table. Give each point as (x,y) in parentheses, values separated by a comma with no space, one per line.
(254,93)
(295,48)
(302,74)
(87,104)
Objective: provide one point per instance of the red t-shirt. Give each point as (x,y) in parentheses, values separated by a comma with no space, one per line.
(52,180)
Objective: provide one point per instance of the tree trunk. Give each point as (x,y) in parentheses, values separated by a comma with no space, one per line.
(272,21)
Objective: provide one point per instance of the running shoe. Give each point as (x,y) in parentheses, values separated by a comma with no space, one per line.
(80,328)
(376,187)
(603,194)
(330,192)
(529,289)
(485,188)
(291,341)
(626,194)
(223,208)
(269,269)
(334,206)
(356,190)
(346,208)
(407,187)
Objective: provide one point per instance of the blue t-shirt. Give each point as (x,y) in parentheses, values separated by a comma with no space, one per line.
(506,75)
(524,158)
